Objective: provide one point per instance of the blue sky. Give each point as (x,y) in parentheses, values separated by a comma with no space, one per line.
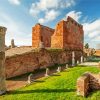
(20,15)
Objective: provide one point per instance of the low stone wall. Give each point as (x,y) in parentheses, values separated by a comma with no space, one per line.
(87,83)
(23,63)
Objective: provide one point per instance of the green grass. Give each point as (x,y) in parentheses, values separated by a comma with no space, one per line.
(61,86)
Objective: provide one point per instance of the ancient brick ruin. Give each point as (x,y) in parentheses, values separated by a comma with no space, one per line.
(67,34)
(87,83)
(67,37)
(43,34)
(24,59)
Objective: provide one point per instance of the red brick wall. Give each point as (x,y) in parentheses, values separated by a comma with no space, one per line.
(24,63)
(36,35)
(68,34)
(57,37)
(41,33)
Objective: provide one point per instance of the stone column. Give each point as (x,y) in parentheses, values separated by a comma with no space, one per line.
(2,60)
(30,78)
(47,72)
(81,59)
(12,43)
(77,62)
(59,69)
(73,58)
(66,66)
(84,59)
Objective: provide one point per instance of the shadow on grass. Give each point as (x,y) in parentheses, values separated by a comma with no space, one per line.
(41,91)
(93,92)
(39,81)
(55,75)
(64,70)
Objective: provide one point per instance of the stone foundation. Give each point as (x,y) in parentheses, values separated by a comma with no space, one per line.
(87,83)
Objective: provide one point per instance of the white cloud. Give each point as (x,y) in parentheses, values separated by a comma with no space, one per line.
(34,11)
(50,16)
(75,15)
(96,39)
(92,32)
(47,5)
(15,2)
(15,31)
(41,20)
(92,29)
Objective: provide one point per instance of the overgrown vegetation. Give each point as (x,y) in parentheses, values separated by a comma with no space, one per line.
(93,59)
(60,86)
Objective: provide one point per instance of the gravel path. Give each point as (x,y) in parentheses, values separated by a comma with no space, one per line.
(90,64)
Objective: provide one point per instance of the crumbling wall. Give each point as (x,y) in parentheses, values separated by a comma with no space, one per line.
(36,36)
(68,34)
(20,64)
(57,37)
(43,34)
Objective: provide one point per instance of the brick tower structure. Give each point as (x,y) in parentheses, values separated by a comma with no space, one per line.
(43,34)
(68,34)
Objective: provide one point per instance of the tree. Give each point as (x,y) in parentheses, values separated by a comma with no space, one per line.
(93,52)
(86,46)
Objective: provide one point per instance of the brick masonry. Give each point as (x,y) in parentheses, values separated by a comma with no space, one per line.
(27,62)
(41,33)
(87,83)
(67,34)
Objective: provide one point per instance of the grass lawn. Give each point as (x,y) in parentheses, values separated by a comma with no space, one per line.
(61,86)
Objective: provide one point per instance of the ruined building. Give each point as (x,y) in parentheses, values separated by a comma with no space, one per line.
(43,34)
(67,34)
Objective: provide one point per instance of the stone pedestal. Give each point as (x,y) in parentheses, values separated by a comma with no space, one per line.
(47,72)
(73,58)
(66,66)
(59,69)
(85,59)
(30,79)
(81,59)
(78,62)
(3,88)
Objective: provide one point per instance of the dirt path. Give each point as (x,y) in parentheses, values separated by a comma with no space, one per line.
(16,83)
(90,64)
